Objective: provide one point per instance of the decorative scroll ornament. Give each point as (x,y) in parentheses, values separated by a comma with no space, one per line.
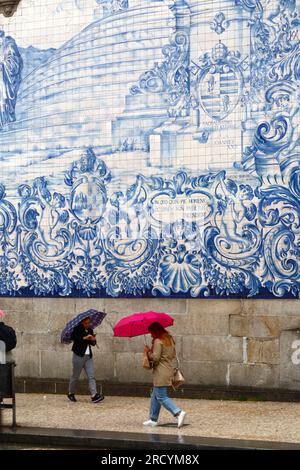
(275,74)
(170,78)
(274,31)
(8,7)
(249,5)
(182,235)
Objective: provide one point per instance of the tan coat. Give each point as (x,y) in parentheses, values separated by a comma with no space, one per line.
(163,368)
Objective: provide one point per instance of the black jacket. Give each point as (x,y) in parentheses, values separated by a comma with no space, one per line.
(8,335)
(80,344)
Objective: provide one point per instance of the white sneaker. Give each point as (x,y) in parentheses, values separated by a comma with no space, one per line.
(150,423)
(181,418)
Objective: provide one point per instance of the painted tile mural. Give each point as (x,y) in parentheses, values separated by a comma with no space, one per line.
(150,148)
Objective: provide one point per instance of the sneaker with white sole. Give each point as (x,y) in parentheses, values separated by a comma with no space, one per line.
(181,418)
(150,423)
(97,398)
(72,397)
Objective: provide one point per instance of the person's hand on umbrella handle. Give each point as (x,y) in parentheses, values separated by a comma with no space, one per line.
(147,349)
(89,338)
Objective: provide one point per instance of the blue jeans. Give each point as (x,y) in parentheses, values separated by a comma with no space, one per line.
(160,398)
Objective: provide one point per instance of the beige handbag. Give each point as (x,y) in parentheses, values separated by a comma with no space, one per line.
(146,363)
(178,378)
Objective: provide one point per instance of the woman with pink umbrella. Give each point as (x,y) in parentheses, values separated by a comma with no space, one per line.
(161,356)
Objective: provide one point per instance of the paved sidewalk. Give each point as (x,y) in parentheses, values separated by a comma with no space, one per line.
(271,421)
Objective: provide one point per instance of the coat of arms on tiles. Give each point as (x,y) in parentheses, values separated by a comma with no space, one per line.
(218,81)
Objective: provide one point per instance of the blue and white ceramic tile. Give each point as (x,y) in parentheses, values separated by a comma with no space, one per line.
(150,148)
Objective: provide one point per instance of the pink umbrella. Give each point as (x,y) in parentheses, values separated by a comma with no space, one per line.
(2,314)
(138,323)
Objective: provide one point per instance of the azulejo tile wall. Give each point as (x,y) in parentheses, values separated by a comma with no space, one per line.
(150,148)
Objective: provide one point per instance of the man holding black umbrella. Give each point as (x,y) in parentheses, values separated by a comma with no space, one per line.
(84,339)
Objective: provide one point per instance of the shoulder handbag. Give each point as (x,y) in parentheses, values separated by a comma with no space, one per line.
(146,362)
(178,377)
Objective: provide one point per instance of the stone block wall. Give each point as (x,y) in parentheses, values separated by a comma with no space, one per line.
(231,343)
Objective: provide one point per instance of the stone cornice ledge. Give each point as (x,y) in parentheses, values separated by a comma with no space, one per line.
(8,7)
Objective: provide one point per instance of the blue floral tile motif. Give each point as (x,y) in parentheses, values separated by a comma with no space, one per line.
(152,151)
(219,24)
